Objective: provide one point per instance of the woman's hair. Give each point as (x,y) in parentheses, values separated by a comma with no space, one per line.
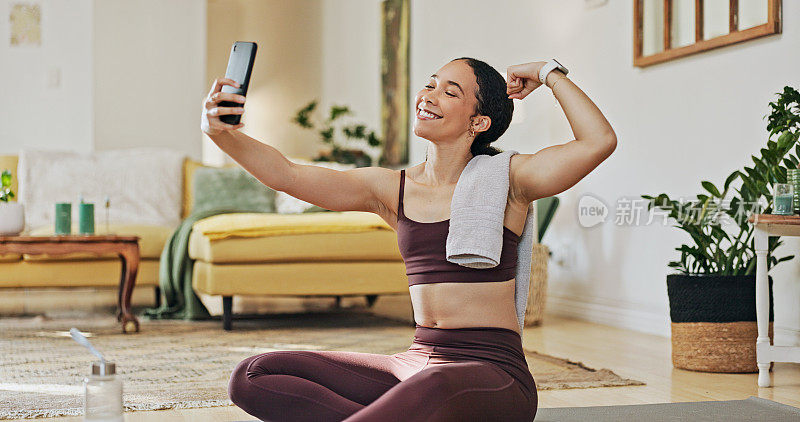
(493,101)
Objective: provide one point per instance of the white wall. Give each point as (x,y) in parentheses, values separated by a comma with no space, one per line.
(287,73)
(149,66)
(34,114)
(692,119)
(351,52)
(130,74)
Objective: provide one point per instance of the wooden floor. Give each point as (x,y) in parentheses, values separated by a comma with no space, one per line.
(629,354)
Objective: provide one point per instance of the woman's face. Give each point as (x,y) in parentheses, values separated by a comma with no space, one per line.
(450,95)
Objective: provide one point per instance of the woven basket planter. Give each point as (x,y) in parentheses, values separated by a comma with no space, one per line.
(714,322)
(534,312)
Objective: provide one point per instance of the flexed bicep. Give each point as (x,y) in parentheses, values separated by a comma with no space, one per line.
(556,168)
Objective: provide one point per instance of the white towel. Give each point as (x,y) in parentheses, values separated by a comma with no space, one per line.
(477,211)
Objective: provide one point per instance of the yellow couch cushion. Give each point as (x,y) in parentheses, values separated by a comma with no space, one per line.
(9,162)
(10,257)
(189,167)
(301,278)
(97,272)
(373,245)
(272,224)
(151,242)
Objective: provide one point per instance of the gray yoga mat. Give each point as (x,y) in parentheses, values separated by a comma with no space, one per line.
(748,410)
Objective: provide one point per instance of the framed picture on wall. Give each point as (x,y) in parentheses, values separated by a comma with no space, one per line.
(25,21)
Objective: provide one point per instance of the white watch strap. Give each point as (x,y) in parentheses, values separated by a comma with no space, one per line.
(547,68)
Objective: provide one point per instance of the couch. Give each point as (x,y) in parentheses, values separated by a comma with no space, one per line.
(361,262)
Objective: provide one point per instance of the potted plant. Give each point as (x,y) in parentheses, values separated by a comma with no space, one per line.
(327,130)
(712,296)
(12,217)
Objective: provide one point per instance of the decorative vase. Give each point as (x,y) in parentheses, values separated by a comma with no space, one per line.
(714,322)
(12,218)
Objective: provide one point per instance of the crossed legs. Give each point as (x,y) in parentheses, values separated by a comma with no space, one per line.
(356,387)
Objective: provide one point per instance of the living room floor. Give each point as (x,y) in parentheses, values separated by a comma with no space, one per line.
(628,353)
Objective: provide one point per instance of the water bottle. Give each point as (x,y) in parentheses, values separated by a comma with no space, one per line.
(103,394)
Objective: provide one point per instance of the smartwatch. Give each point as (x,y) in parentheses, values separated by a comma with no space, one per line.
(548,67)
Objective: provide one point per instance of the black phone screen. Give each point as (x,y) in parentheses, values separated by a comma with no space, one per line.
(240,66)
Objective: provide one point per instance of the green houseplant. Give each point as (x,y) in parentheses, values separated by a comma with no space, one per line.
(714,288)
(329,128)
(12,216)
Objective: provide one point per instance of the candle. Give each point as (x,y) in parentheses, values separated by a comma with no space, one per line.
(793,178)
(783,204)
(63,218)
(86,218)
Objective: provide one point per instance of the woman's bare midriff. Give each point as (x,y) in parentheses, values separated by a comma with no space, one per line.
(461,305)
(457,305)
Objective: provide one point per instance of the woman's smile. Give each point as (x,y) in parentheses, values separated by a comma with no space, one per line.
(424,115)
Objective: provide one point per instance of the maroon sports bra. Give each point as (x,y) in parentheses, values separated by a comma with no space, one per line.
(422,246)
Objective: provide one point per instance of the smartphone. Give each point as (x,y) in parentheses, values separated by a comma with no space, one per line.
(240,66)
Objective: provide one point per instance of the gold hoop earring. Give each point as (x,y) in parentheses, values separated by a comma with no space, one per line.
(470,129)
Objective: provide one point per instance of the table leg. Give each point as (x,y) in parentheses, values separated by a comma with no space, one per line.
(130,265)
(124,263)
(762,308)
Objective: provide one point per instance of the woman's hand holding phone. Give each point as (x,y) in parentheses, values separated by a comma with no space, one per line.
(210,123)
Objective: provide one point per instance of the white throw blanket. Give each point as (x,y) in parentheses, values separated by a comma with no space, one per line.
(477,211)
(144,184)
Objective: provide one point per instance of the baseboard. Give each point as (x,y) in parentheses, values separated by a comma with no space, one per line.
(615,313)
(621,314)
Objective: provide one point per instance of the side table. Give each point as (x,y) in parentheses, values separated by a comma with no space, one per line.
(127,247)
(767,225)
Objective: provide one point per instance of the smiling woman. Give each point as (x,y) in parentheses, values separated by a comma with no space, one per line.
(473,95)
(465,361)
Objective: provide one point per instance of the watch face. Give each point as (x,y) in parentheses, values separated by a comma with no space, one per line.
(561,67)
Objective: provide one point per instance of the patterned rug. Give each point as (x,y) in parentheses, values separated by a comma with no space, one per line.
(186,364)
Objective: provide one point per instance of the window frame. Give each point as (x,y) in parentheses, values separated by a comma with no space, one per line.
(772,26)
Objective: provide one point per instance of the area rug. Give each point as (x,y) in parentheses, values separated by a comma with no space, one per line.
(186,364)
(748,410)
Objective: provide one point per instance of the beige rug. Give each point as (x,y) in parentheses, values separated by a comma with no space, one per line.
(182,364)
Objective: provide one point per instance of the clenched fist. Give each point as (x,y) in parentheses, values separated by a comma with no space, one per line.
(523,79)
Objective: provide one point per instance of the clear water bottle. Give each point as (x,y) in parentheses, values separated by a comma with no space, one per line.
(103,394)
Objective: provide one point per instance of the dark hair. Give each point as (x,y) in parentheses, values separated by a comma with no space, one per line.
(493,102)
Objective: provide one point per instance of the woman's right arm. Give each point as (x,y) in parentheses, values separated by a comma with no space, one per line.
(349,190)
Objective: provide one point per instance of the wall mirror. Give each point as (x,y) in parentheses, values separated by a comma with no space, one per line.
(670,29)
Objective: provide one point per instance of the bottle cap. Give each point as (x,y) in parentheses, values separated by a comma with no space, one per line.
(109,368)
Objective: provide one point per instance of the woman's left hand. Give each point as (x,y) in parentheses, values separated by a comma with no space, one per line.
(523,79)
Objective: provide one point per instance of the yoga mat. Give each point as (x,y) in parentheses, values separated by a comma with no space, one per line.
(748,410)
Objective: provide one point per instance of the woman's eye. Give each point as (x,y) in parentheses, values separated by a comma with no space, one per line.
(430,86)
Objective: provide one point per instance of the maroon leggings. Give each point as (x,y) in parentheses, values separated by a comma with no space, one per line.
(458,374)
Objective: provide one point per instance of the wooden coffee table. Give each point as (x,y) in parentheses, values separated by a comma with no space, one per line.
(127,247)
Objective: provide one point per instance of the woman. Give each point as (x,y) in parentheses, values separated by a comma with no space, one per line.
(466,360)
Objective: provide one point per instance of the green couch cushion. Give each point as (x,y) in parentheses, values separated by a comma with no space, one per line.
(230,188)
